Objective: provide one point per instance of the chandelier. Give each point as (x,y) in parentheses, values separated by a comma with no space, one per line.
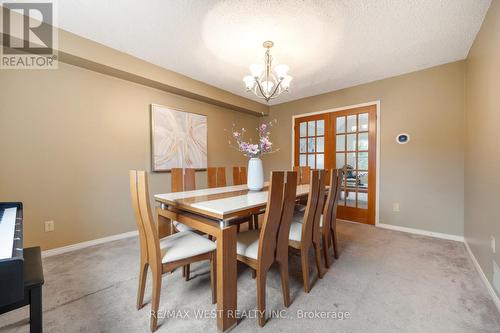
(265,81)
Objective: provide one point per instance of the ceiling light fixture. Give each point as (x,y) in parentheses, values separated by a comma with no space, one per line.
(265,81)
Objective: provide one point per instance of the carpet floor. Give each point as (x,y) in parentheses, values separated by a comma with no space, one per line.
(384,281)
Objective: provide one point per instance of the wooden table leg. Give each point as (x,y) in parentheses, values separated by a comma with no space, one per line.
(164,225)
(226,278)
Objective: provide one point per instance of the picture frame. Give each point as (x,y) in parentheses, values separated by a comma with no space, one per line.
(178,139)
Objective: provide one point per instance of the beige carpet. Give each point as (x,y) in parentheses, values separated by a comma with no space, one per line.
(387,281)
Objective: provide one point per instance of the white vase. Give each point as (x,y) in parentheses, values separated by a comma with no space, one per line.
(255,180)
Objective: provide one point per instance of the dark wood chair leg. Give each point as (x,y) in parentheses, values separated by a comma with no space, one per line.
(304,258)
(256,222)
(261,296)
(325,249)
(187,272)
(283,266)
(142,285)
(317,255)
(335,244)
(36,324)
(213,277)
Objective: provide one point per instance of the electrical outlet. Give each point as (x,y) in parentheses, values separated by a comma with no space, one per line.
(493,244)
(395,206)
(49,226)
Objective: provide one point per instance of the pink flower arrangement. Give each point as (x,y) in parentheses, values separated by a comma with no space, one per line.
(250,149)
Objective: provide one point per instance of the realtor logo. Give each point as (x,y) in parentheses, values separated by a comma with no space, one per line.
(28,35)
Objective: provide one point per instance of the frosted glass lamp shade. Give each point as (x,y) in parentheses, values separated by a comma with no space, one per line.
(249,81)
(281,70)
(256,70)
(286,81)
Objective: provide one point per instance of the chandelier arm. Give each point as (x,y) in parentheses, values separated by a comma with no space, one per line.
(262,91)
(275,89)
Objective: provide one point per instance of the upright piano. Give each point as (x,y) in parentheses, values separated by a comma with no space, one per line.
(11,253)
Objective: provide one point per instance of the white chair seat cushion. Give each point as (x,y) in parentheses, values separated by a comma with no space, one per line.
(181,227)
(295,231)
(184,244)
(247,243)
(299,217)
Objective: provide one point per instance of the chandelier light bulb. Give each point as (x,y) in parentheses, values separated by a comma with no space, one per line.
(281,71)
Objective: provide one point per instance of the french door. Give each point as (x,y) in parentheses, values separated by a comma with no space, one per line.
(343,139)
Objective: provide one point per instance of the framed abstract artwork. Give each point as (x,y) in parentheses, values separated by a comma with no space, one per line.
(178,139)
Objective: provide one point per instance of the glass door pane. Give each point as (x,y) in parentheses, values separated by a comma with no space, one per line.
(352,156)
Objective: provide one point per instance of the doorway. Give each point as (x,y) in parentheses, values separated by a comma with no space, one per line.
(347,140)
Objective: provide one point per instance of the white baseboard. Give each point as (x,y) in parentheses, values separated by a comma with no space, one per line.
(78,246)
(422,232)
(492,292)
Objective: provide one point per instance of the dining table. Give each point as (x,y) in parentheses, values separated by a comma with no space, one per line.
(217,212)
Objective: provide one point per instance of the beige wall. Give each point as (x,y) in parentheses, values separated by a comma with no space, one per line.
(482,153)
(68,138)
(424,176)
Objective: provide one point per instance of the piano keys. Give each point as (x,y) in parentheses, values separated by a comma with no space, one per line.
(11,253)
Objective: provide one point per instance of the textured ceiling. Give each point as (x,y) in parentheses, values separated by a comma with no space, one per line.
(329,45)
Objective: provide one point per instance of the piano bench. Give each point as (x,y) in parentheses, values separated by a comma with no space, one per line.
(33,281)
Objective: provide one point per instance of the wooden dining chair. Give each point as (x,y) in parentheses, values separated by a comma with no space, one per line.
(305,230)
(167,254)
(258,248)
(216,177)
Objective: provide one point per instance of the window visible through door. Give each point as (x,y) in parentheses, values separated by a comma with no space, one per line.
(344,140)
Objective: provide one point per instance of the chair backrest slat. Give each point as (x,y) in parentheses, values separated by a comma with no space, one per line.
(271,221)
(319,206)
(289,197)
(243,175)
(338,188)
(211,177)
(236,176)
(177,179)
(303,174)
(148,224)
(189,179)
(183,179)
(331,175)
(221,176)
(137,213)
(311,206)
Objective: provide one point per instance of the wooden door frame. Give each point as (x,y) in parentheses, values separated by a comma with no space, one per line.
(377,161)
